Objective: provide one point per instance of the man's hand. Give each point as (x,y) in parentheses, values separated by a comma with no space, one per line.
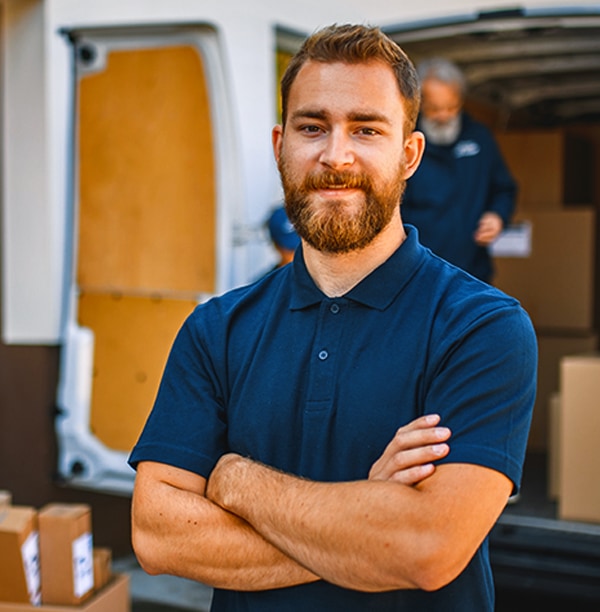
(490,226)
(408,458)
(225,479)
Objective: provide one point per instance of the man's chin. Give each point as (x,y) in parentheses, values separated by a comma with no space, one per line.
(342,247)
(352,202)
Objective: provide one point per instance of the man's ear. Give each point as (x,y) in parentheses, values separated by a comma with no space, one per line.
(276,140)
(414,146)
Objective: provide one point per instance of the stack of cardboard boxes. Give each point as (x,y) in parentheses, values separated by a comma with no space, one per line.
(555,283)
(47,561)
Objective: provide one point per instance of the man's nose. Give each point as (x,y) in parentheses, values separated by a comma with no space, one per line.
(443,115)
(337,150)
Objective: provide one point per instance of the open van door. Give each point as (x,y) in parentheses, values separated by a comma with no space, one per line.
(150,138)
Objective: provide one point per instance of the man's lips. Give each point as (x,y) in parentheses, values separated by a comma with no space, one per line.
(337,190)
(333,182)
(351,186)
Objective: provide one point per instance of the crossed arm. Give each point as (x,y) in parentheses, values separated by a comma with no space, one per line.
(250,527)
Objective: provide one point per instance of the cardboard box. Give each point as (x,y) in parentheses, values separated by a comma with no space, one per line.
(113,598)
(66,553)
(579,493)
(552,347)
(555,284)
(19,558)
(552,167)
(5,498)
(102,567)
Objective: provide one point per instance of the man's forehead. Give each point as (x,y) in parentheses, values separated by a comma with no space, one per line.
(433,86)
(364,88)
(315,69)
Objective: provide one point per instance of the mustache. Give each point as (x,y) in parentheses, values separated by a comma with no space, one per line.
(329,179)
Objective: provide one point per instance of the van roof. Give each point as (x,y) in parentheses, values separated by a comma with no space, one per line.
(535,67)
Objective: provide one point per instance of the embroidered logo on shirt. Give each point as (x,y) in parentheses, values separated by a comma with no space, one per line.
(466,148)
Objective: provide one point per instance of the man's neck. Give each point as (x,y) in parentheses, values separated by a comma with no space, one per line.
(336,274)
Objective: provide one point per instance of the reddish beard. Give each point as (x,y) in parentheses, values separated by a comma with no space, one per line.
(333,229)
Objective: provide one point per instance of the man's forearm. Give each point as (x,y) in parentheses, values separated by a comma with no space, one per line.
(344,532)
(178,531)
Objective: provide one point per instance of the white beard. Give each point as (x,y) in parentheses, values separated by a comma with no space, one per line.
(441,133)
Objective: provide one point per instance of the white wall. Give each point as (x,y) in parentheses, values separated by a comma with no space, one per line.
(36,119)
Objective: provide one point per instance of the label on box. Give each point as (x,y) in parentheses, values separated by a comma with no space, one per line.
(83,565)
(30,552)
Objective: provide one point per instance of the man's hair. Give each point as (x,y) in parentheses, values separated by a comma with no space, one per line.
(443,70)
(356,44)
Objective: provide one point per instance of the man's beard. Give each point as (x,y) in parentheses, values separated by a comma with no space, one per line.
(330,228)
(446,133)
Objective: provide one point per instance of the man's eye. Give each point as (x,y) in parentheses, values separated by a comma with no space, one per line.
(368,131)
(310,129)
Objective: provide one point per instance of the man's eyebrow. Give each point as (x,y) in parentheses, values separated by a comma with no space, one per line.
(368,117)
(354,116)
(307,113)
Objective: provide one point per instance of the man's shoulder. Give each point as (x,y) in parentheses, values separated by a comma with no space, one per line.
(458,290)
(257,295)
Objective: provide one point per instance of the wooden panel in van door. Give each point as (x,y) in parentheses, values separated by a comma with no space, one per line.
(146,222)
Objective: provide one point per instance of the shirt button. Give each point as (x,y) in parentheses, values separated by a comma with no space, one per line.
(334,308)
(323,355)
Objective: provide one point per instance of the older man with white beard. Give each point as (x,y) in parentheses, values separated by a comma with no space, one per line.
(462,195)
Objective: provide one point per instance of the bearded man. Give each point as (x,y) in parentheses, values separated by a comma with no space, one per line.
(342,434)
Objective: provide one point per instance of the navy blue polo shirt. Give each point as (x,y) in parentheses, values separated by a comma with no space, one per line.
(452,188)
(317,387)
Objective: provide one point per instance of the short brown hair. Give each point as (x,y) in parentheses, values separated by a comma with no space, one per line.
(355,44)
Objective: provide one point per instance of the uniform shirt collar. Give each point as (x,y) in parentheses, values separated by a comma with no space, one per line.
(378,290)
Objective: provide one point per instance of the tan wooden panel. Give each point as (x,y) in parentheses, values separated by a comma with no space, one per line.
(133,336)
(146,173)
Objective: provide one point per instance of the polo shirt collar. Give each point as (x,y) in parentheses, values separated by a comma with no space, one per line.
(378,290)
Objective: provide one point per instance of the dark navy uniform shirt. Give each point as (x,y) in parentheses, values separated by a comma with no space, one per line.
(452,188)
(317,387)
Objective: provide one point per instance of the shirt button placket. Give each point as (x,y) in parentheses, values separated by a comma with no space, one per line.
(327,340)
(333,309)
